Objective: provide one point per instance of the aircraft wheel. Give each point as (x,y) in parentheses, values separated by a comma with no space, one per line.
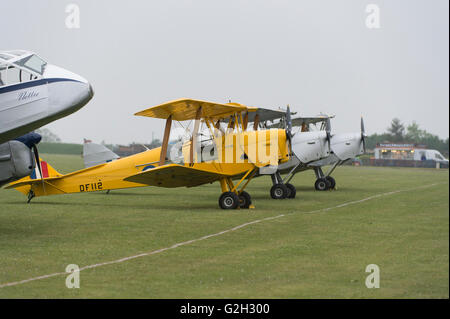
(279,191)
(332,182)
(229,200)
(292,191)
(322,184)
(244,200)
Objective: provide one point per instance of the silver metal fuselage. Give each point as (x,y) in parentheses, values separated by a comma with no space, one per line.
(343,147)
(27,106)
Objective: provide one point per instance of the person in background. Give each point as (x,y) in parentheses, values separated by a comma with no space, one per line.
(423,157)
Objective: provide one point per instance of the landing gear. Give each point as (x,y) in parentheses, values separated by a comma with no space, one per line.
(322,184)
(229,200)
(280,190)
(30,196)
(244,200)
(332,182)
(233,198)
(292,191)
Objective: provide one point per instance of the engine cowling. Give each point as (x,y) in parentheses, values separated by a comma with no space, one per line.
(347,145)
(16,161)
(310,146)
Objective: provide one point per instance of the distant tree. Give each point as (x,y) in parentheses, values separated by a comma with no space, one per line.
(414,133)
(397,130)
(48,136)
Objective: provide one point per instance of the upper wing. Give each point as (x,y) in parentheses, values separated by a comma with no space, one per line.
(262,114)
(173,175)
(186,109)
(299,121)
(265,115)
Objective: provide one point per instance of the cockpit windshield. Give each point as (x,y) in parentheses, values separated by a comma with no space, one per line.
(33,63)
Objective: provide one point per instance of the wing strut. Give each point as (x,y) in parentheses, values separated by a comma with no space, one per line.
(245,123)
(256,122)
(194,136)
(162,158)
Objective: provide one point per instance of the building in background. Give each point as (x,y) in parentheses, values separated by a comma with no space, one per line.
(407,155)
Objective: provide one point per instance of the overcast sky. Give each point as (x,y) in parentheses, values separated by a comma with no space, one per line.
(317,56)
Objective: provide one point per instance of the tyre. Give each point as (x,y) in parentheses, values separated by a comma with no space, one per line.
(228,200)
(244,200)
(279,191)
(292,191)
(322,184)
(332,182)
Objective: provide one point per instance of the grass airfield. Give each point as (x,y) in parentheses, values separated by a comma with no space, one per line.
(302,254)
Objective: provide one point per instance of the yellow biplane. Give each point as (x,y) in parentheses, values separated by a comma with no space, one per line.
(224,151)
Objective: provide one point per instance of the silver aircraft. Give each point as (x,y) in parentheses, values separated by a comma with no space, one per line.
(32,93)
(342,147)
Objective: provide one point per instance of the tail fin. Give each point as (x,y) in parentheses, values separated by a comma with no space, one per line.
(47,171)
(94,154)
(35,181)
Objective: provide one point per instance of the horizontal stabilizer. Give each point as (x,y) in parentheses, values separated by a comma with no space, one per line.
(30,182)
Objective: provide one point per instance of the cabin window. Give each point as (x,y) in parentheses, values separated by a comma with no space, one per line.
(11,75)
(33,63)
(2,76)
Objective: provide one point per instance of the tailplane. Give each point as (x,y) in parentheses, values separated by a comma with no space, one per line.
(38,182)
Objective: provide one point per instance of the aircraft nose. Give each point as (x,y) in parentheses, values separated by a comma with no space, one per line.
(86,94)
(66,97)
(347,145)
(91,91)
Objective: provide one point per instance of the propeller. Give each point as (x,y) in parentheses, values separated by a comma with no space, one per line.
(31,140)
(37,159)
(288,124)
(328,130)
(363,135)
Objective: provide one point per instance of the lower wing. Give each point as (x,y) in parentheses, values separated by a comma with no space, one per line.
(174,175)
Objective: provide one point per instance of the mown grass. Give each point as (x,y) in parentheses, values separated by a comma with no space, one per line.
(61,148)
(299,255)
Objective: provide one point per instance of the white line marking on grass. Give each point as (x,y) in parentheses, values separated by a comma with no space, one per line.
(214,235)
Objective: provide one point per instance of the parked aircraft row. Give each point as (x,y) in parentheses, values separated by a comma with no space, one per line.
(227,142)
(343,147)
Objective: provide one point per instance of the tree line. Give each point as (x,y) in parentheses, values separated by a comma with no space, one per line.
(411,134)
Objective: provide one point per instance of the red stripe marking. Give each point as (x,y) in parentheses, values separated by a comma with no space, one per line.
(44,168)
